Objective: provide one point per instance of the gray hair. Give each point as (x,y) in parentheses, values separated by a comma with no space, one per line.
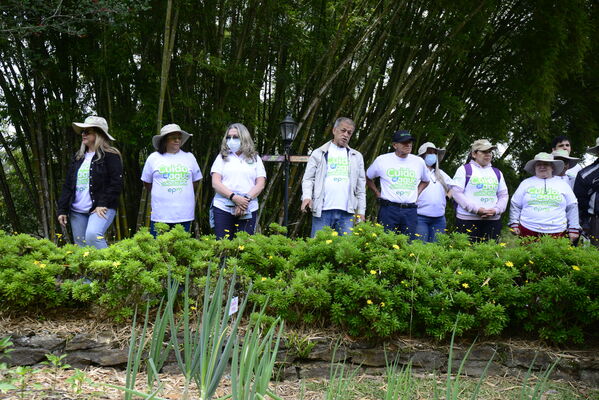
(247,144)
(339,120)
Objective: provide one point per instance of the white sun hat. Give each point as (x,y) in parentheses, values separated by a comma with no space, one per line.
(93,122)
(429,145)
(558,165)
(170,128)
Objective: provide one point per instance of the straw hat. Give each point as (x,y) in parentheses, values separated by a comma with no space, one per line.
(170,128)
(558,165)
(429,145)
(93,122)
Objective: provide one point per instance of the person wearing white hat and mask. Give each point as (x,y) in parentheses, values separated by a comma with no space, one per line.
(238,178)
(171,175)
(90,194)
(544,204)
(586,189)
(480,191)
(431,202)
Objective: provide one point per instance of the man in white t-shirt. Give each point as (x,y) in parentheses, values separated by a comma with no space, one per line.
(334,184)
(403,176)
(563,143)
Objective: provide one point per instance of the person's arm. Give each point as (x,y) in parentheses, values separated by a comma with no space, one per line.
(148,186)
(581,191)
(66,196)
(421,186)
(220,188)
(361,190)
(516,209)
(308,182)
(502,196)
(373,187)
(257,188)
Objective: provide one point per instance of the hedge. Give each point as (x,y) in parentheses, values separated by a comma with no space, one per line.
(372,284)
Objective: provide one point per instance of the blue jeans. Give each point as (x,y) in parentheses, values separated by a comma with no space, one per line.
(339,220)
(186,225)
(399,220)
(429,227)
(226,225)
(89,229)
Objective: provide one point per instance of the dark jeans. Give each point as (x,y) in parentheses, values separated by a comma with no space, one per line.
(429,227)
(226,225)
(186,225)
(479,231)
(399,220)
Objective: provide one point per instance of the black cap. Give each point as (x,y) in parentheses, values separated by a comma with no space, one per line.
(402,136)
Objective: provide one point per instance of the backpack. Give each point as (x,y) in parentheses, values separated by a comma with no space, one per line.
(468,168)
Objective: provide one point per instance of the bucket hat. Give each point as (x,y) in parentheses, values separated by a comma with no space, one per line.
(170,128)
(565,157)
(429,145)
(93,122)
(558,165)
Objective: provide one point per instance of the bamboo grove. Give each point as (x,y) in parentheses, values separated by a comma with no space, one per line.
(514,71)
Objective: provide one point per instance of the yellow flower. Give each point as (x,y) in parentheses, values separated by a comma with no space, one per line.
(270,257)
(116,264)
(193,308)
(509,264)
(69,252)
(412,255)
(263,279)
(382,304)
(465,285)
(42,265)
(396,247)
(450,246)
(468,230)
(575,267)
(226,230)
(356,233)
(334,233)
(417,234)
(374,235)
(372,272)
(367,244)
(206,238)
(86,254)
(59,235)
(459,272)
(328,241)
(531,262)
(36,262)
(502,244)
(241,247)
(368,301)
(405,283)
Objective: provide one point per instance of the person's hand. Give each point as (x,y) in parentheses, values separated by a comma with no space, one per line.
(241,201)
(573,236)
(100,211)
(306,205)
(239,211)
(62,220)
(515,230)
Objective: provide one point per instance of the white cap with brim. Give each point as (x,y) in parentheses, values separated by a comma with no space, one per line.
(170,128)
(429,145)
(482,145)
(558,165)
(564,156)
(93,122)
(595,149)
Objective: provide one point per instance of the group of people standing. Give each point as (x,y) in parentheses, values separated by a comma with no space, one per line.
(412,196)
(91,190)
(414,191)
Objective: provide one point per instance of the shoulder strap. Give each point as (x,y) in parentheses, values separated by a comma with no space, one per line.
(468,169)
(497,174)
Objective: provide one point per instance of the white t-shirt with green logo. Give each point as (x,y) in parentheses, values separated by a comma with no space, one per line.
(482,188)
(83,201)
(172,177)
(399,176)
(336,183)
(541,205)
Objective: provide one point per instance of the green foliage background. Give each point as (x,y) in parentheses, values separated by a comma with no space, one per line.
(372,284)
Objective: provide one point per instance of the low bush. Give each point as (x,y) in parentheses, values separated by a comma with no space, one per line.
(371,284)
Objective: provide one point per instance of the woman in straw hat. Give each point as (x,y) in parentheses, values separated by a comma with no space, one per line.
(544,204)
(171,175)
(431,202)
(238,177)
(90,194)
(480,191)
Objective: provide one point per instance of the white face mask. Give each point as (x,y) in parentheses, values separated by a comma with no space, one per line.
(234,144)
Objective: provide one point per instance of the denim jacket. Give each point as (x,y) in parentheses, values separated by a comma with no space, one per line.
(105,182)
(314,178)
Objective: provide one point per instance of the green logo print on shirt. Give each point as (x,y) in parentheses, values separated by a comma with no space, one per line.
(174,175)
(402,178)
(543,199)
(83,177)
(338,168)
(484,186)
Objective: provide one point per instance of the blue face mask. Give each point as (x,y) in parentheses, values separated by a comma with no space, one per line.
(234,144)
(430,160)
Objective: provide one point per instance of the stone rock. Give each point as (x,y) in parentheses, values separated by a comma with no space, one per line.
(429,360)
(478,353)
(50,342)
(324,352)
(99,356)
(476,368)
(25,356)
(368,357)
(315,370)
(525,358)
(590,377)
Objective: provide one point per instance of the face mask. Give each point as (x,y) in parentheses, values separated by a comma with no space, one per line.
(234,144)
(430,159)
